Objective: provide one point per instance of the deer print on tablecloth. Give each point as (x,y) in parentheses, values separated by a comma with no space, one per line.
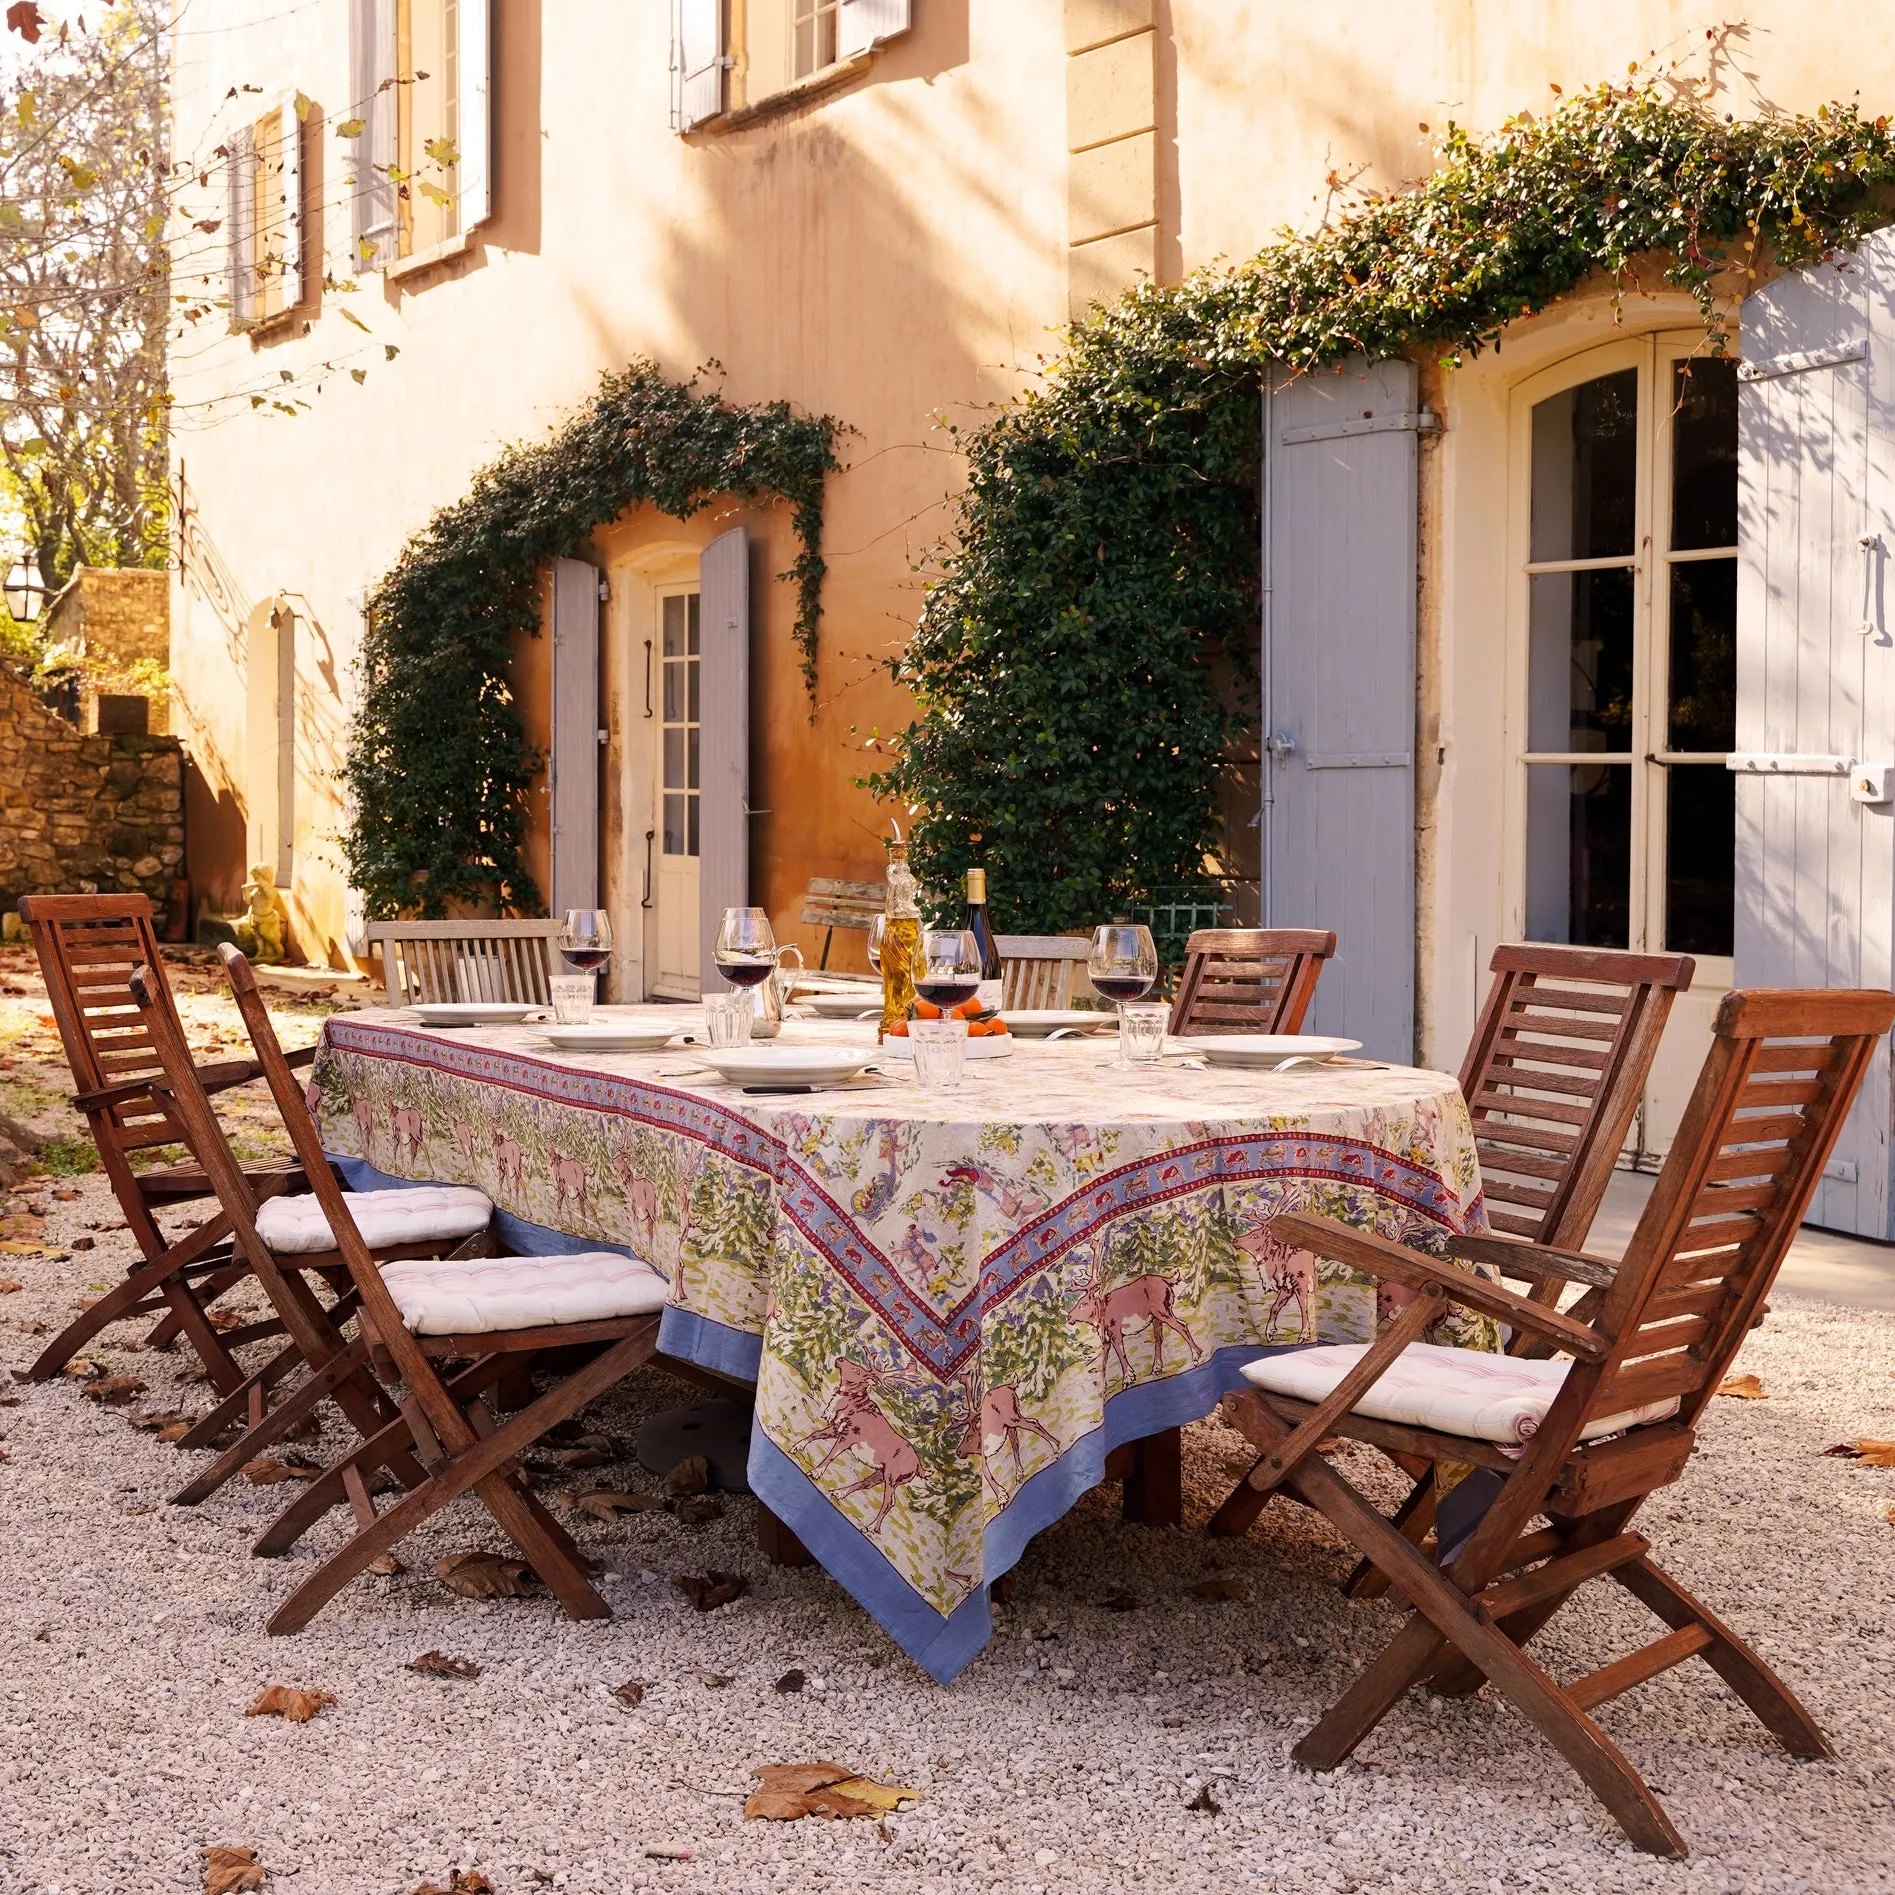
(856,1420)
(404,1125)
(1146,1299)
(1289,1276)
(641,1198)
(569,1185)
(464,1144)
(364,1112)
(994,1417)
(690,1164)
(510,1161)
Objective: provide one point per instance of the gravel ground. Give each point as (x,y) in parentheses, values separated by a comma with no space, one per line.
(1069,1755)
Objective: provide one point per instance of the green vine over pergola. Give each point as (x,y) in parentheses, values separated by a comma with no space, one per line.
(1073,669)
(439,765)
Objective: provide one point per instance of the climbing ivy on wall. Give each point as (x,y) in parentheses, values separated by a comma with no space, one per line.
(1072,708)
(439,765)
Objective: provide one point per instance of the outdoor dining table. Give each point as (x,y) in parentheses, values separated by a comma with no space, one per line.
(953,1305)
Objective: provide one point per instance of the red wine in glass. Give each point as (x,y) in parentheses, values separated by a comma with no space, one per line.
(744,970)
(1123,986)
(586,960)
(948,994)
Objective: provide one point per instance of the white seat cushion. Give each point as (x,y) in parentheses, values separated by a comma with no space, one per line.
(409,1214)
(437,1297)
(1467,1392)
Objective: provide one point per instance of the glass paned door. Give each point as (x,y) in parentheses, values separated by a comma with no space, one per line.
(1630,669)
(675,962)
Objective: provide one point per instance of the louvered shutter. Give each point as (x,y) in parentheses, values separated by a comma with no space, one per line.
(241,179)
(697,61)
(1339,690)
(372,73)
(285,187)
(1815,896)
(573,768)
(475,105)
(861,24)
(723,740)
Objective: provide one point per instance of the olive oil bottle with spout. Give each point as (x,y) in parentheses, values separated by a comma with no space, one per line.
(901,938)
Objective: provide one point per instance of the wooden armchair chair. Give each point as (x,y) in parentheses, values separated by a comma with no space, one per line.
(280,1240)
(1039,970)
(600,1309)
(88,946)
(1249,980)
(1580,1443)
(1552,1077)
(465,960)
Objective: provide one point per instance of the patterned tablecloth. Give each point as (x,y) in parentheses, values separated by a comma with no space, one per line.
(953,1305)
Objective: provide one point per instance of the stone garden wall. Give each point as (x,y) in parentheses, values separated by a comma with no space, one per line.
(81,811)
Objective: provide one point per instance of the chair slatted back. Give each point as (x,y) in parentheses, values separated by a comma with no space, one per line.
(88,946)
(466,960)
(1039,970)
(1783,1071)
(1553,1075)
(1249,980)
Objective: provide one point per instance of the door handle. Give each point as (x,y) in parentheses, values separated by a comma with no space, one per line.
(645,899)
(1280,745)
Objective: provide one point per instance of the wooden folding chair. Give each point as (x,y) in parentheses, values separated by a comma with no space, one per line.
(465,960)
(1579,1443)
(491,1312)
(1039,970)
(88,946)
(278,1239)
(1249,980)
(1552,1077)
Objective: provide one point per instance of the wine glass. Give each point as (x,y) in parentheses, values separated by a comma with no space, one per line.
(585,938)
(947,972)
(745,953)
(877,928)
(1123,964)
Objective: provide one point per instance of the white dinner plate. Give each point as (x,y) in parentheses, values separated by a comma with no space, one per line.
(610,1036)
(473,1013)
(834,1006)
(778,1065)
(1263,1050)
(1035,1023)
(988,1046)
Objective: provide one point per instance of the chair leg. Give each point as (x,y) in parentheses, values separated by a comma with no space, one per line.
(1775,1704)
(207,1291)
(110,1308)
(1597,1760)
(1413,1520)
(1153,1492)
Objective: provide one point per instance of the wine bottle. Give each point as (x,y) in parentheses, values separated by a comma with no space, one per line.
(901,937)
(975,919)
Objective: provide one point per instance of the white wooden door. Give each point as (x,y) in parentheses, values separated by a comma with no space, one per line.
(1816,666)
(1339,689)
(673,950)
(724,868)
(573,767)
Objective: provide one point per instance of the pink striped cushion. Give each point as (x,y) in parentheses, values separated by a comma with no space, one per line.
(441,1297)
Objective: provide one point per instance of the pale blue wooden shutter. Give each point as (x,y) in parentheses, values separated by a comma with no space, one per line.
(861,24)
(1339,689)
(573,768)
(286,207)
(240,171)
(697,62)
(474,70)
(723,740)
(1815,897)
(372,82)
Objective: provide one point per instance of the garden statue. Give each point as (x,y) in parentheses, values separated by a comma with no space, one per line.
(262,930)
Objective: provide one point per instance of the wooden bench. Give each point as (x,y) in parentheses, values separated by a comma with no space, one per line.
(831,905)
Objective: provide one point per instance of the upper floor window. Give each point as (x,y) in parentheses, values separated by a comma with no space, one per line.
(721,64)
(422,74)
(265,218)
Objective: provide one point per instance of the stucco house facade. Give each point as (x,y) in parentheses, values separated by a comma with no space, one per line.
(1523,615)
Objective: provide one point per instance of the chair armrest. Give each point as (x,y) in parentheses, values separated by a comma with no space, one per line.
(1378,1257)
(219,1077)
(1519,1256)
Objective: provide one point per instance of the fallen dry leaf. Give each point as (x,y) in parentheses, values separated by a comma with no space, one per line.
(486,1576)
(1119,1600)
(7,1286)
(386,1566)
(175,1431)
(1219,1587)
(228,1868)
(33,1328)
(713,1680)
(790,1791)
(150,1420)
(84,1243)
(692,1476)
(440,1665)
(630,1693)
(83,1369)
(574,1457)
(459,1882)
(707,1591)
(1205,1802)
(607,1503)
(792,1680)
(695,1509)
(9,1401)
(267,1473)
(223,1318)
(1865,1453)
(1745,1387)
(114,1390)
(290,1704)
